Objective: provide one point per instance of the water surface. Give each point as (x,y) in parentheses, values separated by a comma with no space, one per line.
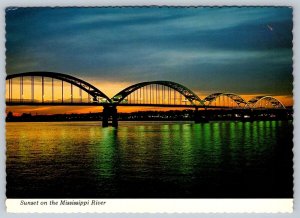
(145,160)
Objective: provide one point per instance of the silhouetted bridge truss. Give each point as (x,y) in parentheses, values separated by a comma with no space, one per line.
(49,88)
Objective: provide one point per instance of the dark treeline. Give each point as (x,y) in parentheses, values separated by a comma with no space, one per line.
(184,115)
(172,115)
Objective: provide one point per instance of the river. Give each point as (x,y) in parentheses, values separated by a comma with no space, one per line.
(150,160)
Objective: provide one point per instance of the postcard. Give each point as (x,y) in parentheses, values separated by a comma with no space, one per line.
(149,109)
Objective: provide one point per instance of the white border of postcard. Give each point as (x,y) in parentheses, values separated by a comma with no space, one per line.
(152,205)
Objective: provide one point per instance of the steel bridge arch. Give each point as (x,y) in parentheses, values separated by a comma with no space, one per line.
(274,101)
(187,93)
(87,87)
(235,97)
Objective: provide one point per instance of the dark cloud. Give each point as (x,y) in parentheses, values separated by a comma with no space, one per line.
(245,50)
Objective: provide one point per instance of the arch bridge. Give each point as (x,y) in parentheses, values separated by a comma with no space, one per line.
(263,102)
(51,88)
(157,93)
(40,88)
(229,100)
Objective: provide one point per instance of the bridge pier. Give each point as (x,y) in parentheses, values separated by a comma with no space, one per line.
(200,116)
(110,112)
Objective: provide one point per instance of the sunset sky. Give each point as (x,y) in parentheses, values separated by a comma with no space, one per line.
(247,50)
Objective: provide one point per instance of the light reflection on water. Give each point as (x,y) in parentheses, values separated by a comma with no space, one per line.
(144,159)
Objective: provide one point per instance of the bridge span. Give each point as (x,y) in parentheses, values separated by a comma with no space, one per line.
(54,89)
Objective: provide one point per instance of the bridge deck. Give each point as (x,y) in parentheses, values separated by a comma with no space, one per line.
(18,103)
